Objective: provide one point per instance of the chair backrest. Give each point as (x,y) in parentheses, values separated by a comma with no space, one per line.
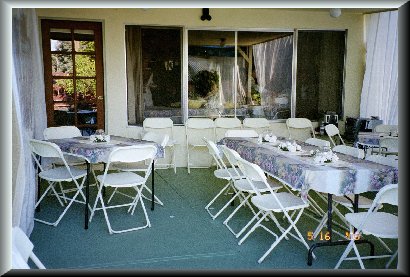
(232,156)
(197,128)
(256,122)
(224,123)
(243,133)
(23,250)
(390,143)
(383,160)
(300,128)
(384,128)
(215,153)
(388,195)
(46,149)
(253,172)
(61,132)
(163,125)
(318,142)
(132,154)
(161,139)
(331,131)
(349,150)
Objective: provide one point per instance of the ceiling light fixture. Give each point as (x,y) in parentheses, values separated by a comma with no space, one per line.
(335,12)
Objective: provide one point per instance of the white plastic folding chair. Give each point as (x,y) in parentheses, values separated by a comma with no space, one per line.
(380,224)
(65,173)
(222,172)
(243,190)
(163,125)
(349,150)
(259,124)
(383,160)
(344,200)
(269,204)
(22,251)
(244,133)
(386,129)
(62,132)
(142,166)
(389,146)
(222,124)
(125,180)
(318,142)
(300,128)
(332,131)
(196,129)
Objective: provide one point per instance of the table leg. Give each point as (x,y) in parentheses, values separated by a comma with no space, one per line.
(329,229)
(87,196)
(152,186)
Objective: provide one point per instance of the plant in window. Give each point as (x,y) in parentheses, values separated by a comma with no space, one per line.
(204,86)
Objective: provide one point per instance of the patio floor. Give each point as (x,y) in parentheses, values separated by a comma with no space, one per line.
(182,236)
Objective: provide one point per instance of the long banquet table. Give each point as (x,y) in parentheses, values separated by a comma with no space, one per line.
(98,152)
(349,175)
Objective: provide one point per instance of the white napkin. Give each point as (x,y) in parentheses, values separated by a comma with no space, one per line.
(270,138)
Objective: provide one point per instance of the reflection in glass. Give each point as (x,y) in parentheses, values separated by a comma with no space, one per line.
(63,99)
(84,41)
(211,63)
(264,74)
(86,95)
(85,65)
(62,64)
(60,40)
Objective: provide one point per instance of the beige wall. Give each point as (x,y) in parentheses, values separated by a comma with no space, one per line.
(233,19)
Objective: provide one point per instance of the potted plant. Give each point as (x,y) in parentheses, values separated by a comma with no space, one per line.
(204,85)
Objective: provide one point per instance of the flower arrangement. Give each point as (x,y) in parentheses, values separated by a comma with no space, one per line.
(289,146)
(100,138)
(325,157)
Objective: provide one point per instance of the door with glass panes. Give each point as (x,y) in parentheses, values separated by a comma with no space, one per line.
(73,74)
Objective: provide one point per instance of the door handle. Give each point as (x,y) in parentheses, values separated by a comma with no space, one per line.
(100,98)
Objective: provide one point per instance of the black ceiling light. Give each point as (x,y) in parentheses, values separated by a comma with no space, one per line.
(205,15)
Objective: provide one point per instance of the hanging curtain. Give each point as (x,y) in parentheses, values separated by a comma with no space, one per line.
(380,84)
(134,75)
(273,68)
(29,111)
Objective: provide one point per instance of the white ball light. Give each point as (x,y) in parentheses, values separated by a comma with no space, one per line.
(335,12)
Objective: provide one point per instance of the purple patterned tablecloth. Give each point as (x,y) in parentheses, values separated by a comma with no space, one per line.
(298,170)
(97,152)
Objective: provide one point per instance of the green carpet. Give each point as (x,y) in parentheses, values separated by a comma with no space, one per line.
(182,235)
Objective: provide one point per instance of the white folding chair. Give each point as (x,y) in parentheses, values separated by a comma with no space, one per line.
(163,125)
(349,150)
(222,172)
(196,129)
(62,132)
(345,200)
(318,142)
(332,131)
(373,222)
(242,188)
(389,146)
(271,203)
(244,133)
(385,160)
(258,124)
(142,166)
(386,129)
(125,180)
(65,173)
(22,250)
(300,128)
(222,124)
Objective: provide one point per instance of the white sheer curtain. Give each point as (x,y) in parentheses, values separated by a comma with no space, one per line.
(273,68)
(30,113)
(380,85)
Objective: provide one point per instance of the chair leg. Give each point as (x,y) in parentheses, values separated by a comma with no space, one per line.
(207,207)
(391,259)
(345,253)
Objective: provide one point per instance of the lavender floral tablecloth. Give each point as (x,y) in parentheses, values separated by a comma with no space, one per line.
(298,170)
(97,152)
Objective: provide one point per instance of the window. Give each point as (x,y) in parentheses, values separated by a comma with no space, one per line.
(234,73)
(320,73)
(153,73)
(73,74)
